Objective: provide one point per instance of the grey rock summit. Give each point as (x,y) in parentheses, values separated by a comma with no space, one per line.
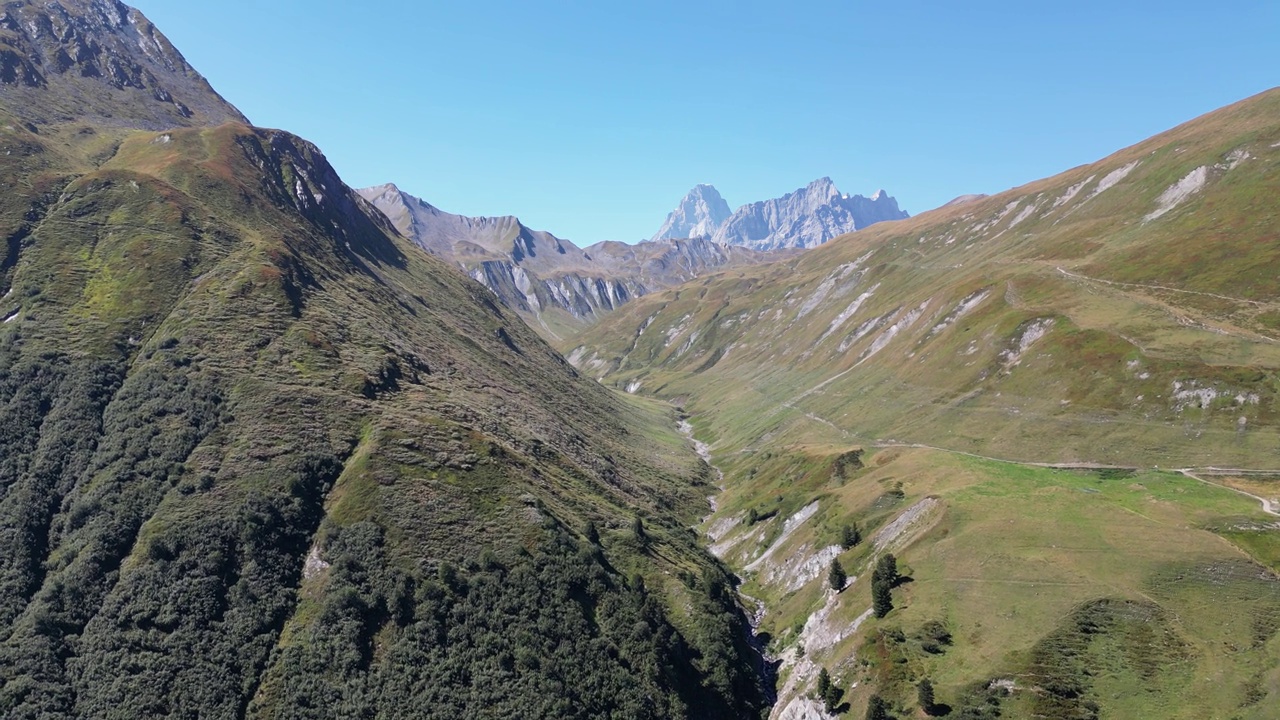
(699,215)
(549,280)
(99,61)
(805,218)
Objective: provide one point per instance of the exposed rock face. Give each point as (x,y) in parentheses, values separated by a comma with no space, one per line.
(61,58)
(699,215)
(535,272)
(470,241)
(805,218)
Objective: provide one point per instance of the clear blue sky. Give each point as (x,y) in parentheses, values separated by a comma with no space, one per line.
(591,119)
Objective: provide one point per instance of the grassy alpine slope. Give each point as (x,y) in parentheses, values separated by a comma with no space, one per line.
(262,457)
(1120,314)
(1061,321)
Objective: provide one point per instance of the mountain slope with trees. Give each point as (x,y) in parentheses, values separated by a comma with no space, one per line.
(260,456)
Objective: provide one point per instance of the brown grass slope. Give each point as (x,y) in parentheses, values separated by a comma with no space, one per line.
(1124,312)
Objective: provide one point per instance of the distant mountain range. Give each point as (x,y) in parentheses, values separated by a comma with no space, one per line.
(551,281)
(560,287)
(805,218)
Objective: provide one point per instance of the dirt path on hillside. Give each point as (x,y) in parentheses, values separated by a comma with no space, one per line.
(1267,506)
(1051,466)
(1114,283)
(1180,314)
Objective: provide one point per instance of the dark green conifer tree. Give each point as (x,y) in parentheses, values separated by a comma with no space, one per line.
(924,694)
(877,708)
(881,598)
(837,576)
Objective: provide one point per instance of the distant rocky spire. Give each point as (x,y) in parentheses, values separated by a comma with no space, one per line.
(699,214)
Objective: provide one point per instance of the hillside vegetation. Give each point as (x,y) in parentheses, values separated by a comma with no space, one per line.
(262,457)
(1021,398)
(1122,312)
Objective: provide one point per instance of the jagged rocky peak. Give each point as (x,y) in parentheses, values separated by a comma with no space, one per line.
(99,61)
(699,214)
(806,218)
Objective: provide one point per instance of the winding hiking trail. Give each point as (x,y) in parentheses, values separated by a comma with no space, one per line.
(1268,506)
(1181,313)
(1166,288)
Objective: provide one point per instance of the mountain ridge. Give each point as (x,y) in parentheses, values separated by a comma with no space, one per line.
(555,284)
(61,59)
(803,218)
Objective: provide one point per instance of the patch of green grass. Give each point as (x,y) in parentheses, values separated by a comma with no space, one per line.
(1017,551)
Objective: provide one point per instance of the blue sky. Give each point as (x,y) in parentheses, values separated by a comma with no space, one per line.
(592,119)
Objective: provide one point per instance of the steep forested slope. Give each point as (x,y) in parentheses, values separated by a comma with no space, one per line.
(261,456)
(218,364)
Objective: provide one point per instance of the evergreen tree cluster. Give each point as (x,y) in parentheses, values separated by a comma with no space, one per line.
(850,536)
(877,708)
(551,634)
(924,696)
(829,692)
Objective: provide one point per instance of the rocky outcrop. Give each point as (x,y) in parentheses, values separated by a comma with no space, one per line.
(59,59)
(699,215)
(580,295)
(536,273)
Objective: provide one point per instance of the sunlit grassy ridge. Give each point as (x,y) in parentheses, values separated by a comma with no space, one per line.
(1051,322)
